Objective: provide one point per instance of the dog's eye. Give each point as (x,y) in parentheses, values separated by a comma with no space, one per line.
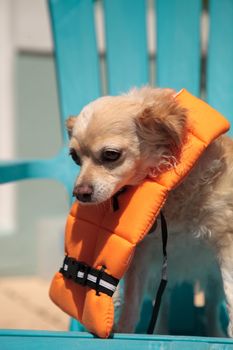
(75,157)
(110,155)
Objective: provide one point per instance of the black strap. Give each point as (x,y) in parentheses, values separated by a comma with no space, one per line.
(85,275)
(163,281)
(99,277)
(115,202)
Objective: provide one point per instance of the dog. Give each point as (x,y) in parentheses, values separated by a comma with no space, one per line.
(119,141)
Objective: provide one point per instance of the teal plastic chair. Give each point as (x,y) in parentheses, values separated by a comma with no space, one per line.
(178,64)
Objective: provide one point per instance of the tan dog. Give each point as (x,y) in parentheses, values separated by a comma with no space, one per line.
(119,141)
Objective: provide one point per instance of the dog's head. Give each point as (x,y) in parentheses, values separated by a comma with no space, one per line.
(119,141)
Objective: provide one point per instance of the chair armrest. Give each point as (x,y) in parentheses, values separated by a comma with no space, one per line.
(74,340)
(59,168)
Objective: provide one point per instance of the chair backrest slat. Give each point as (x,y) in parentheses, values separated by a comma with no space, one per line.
(220,57)
(76,53)
(126,41)
(178,44)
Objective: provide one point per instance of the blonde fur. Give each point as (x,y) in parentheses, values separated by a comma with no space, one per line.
(147,128)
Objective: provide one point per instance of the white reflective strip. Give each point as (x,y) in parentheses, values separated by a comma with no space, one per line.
(94,279)
(108,285)
(65,267)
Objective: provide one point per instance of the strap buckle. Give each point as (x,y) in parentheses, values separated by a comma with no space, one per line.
(70,268)
(75,270)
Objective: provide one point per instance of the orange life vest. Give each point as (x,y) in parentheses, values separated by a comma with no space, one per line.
(101,237)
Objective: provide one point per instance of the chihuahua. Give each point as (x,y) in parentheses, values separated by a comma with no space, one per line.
(119,141)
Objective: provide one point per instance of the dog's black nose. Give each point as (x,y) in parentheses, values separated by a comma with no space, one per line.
(83,192)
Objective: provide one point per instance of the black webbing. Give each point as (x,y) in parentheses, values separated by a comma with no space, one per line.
(81,273)
(163,281)
(115,202)
(99,277)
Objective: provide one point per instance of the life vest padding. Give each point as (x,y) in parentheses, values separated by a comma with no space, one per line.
(99,236)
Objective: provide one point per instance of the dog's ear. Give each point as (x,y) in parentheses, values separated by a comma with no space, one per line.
(70,124)
(162,124)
